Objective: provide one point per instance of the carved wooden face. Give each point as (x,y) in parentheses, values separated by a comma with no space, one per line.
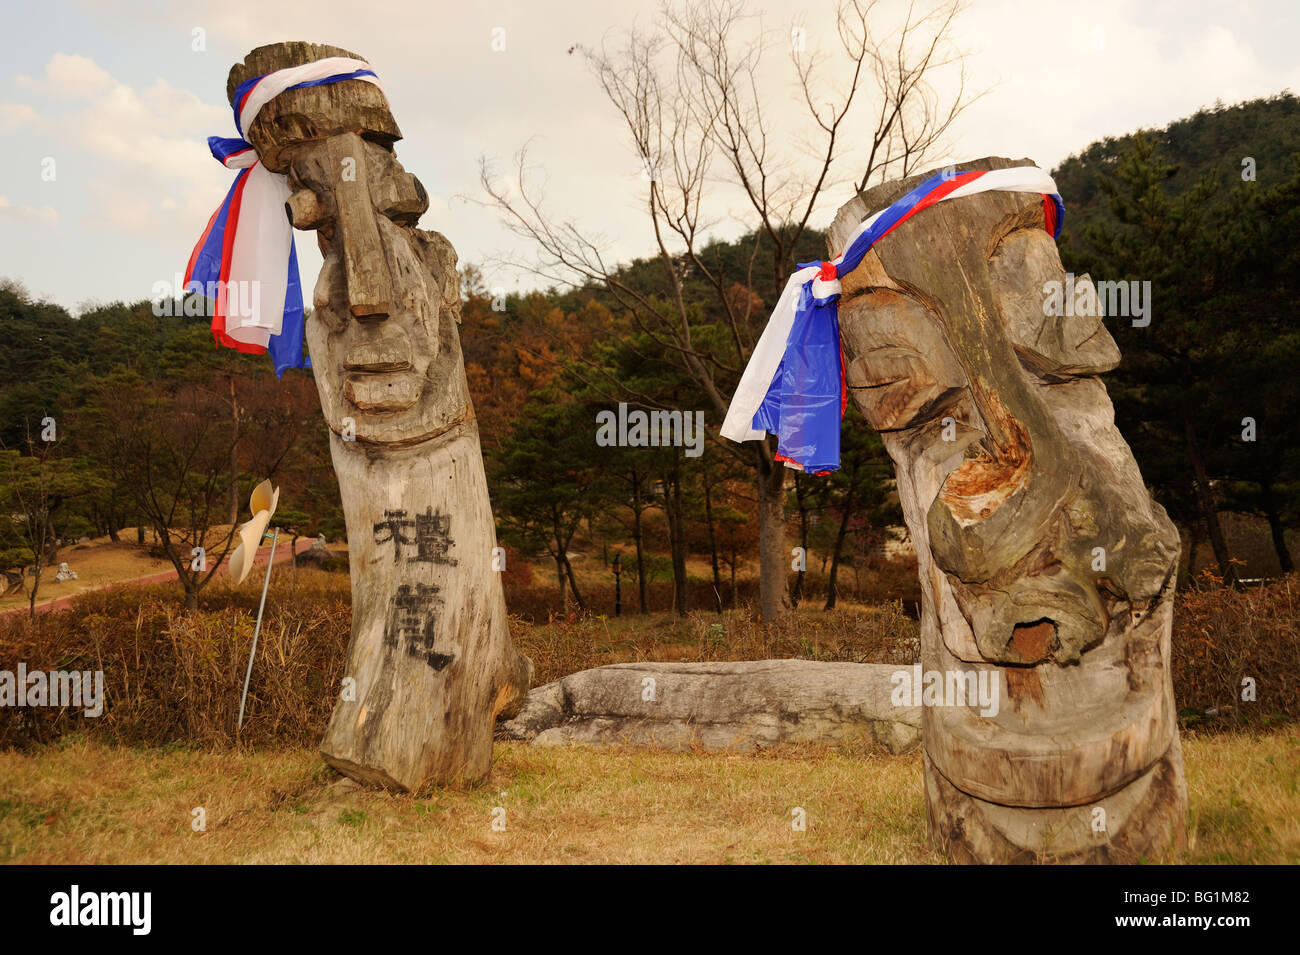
(993,406)
(382,339)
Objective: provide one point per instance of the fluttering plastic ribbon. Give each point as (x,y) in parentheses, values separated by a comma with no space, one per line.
(245,260)
(793,386)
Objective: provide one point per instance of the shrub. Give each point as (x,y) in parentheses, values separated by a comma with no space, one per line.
(1224,635)
(172,677)
(176,677)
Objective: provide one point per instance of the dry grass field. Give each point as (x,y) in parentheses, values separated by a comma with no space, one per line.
(83,802)
(123,788)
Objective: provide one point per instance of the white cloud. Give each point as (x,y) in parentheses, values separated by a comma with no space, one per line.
(68,75)
(29,215)
(14,115)
(153,172)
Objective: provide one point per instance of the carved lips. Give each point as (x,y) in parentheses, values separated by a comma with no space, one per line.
(380,374)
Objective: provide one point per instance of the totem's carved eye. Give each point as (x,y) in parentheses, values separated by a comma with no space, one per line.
(1053,319)
(898,363)
(306,210)
(404,199)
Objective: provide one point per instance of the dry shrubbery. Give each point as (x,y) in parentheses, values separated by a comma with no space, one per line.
(538,600)
(176,677)
(1222,636)
(172,677)
(854,634)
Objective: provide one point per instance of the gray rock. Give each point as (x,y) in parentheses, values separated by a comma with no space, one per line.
(718,706)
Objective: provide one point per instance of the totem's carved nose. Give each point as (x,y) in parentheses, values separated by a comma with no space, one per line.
(370,291)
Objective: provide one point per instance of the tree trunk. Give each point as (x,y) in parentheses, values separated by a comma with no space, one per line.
(677,544)
(51,543)
(801,506)
(37,570)
(679,554)
(772,554)
(1014,494)
(430,663)
(713,542)
(831,593)
(234,456)
(111,518)
(573,584)
(1194,534)
(733,576)
(1205,499)
(1276,527)
(559,581)
(636,537)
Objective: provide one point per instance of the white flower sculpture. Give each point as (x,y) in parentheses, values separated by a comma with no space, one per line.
(262,503)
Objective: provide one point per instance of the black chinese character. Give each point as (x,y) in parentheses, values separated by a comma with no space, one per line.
(394,523)
(412,623)
(433,537)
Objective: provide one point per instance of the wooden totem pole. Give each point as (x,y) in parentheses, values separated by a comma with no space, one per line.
(1042,557)
(430,663)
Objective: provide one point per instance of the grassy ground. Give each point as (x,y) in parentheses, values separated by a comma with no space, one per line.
(80,802)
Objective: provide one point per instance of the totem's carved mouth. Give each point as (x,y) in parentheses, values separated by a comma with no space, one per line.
(382,391)
(385,356)
(1031,642)
(378,366)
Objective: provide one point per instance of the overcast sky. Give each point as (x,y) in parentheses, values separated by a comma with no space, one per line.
(116,95)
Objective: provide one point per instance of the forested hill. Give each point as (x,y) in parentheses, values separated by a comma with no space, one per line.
(1213,142)
(1202,218)
(1169,207)
(48,354)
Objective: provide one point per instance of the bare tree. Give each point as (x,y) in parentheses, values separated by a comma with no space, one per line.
(696,108)
(170,450)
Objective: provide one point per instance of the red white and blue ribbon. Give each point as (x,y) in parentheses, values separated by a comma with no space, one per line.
(245,260)
(793,386)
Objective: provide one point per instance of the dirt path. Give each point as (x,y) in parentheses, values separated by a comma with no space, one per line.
(131,553)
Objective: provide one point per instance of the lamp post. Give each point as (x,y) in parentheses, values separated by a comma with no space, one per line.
(618,585)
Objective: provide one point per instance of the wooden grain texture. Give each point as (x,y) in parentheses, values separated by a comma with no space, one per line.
(1013,479)
(430,664)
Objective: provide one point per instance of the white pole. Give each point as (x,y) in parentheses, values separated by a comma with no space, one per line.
(258,629)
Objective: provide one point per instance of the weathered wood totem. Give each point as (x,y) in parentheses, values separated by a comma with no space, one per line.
(1043,558)
(430,664)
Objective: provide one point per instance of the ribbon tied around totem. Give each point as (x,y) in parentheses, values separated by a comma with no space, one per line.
(793,385)
(245,259)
